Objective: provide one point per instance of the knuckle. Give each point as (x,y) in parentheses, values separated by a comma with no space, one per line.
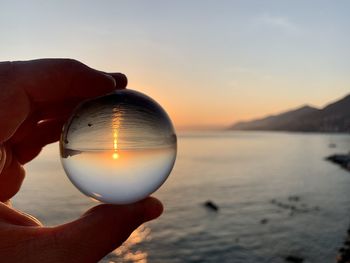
(70,63)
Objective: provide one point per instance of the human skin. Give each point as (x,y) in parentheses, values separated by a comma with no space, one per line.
(36,98)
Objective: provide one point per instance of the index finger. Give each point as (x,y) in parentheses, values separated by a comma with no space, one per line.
(47,80)
(41,86)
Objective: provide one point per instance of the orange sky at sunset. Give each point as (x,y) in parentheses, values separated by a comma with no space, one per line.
(208,63)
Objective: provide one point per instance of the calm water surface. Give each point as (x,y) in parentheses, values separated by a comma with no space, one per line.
(252,176)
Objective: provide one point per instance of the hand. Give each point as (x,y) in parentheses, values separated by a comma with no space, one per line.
(36,98)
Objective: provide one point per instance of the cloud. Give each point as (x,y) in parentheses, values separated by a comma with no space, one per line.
(279,22)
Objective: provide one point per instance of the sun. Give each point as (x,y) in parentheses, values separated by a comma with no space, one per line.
(115,156)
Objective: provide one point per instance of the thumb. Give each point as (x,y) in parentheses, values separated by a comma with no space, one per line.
(103,228)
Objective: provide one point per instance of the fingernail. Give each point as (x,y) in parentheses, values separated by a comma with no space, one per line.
(121,81)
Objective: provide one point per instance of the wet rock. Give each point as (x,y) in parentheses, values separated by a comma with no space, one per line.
(264,221)
(211,205)
(344,252)
(341,159)
(293,205)
(294,198)
(294,259)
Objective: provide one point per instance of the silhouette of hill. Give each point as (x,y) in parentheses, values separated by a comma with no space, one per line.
(335,117)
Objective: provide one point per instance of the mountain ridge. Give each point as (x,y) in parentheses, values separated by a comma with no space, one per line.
(334,117)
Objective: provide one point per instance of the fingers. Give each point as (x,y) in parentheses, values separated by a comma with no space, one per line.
(121,81)
(32,142)
(32,91)
(104,227)
(14,107)
(46,86)
(11,177)
(31,126)
(47,80)
(30,137)
(88,239)
(14,217)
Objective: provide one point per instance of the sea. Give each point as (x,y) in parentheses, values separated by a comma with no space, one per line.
(277,197)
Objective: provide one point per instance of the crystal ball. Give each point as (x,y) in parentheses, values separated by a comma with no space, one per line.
(118,148)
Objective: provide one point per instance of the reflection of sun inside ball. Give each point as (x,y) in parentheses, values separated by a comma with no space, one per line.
(118,148)
(115,144)
(115,156)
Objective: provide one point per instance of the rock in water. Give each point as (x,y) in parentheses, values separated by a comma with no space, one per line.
(341,159)
(211,205)
(264,221)
(294,259)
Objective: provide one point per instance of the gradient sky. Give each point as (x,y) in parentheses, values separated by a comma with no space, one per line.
(206,62)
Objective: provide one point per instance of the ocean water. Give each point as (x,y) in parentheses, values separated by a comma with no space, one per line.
(276,193)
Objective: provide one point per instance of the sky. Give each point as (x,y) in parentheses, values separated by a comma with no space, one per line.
(208,63)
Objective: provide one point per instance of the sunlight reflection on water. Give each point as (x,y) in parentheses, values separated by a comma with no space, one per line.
(125,251)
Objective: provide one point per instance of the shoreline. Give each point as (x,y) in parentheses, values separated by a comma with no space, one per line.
(342,160)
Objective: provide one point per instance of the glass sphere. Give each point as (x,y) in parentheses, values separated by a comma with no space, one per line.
(118,148)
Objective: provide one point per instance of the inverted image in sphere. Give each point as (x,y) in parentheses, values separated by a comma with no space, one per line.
(118,148)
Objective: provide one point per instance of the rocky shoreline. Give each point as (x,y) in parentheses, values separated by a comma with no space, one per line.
(344,252)
(341,159)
